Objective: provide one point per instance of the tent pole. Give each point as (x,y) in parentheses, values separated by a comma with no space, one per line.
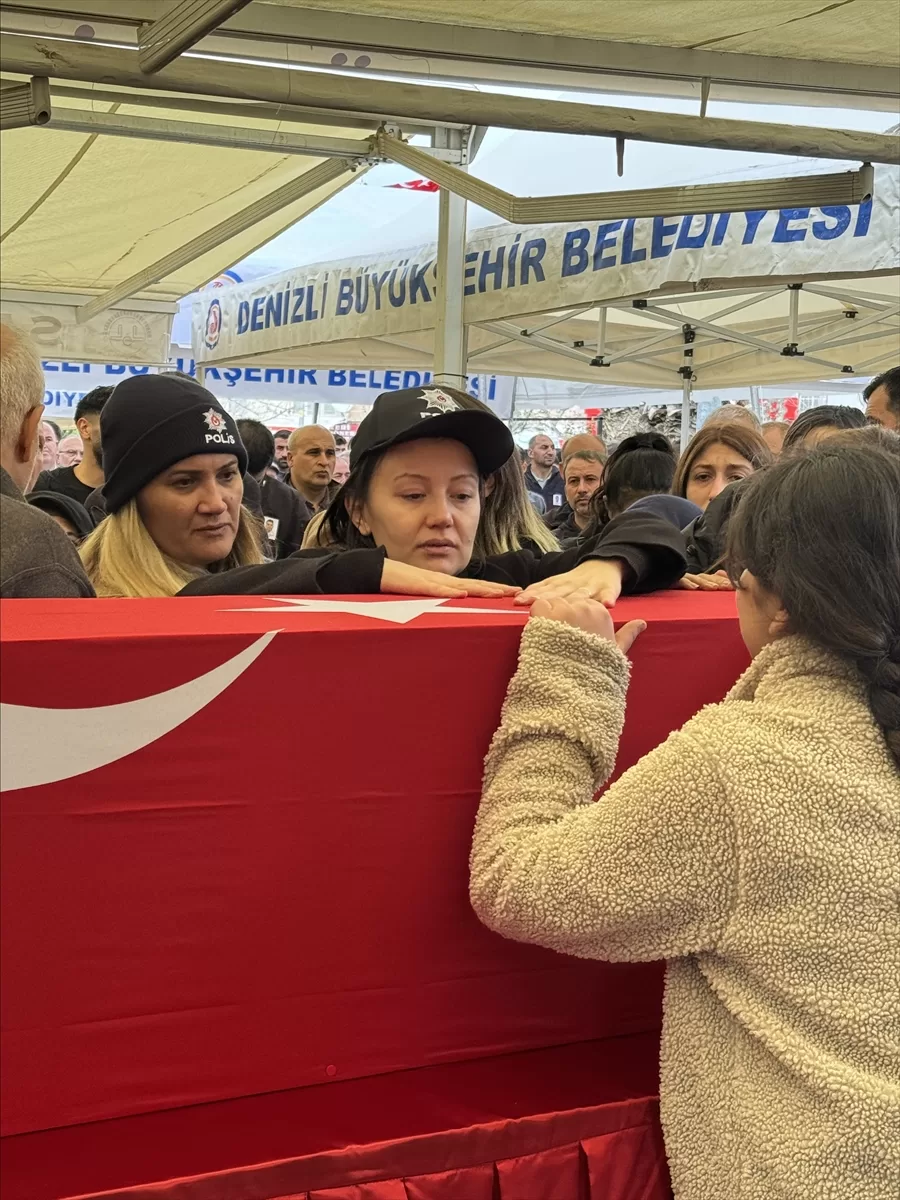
(201,374)
(450,335)
(686,371)
(685,410)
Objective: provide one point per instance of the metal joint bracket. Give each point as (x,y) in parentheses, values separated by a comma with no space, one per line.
(25,104)
(791,351)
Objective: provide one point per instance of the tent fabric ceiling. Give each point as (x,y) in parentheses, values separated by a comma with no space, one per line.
(84,212)
(845,31)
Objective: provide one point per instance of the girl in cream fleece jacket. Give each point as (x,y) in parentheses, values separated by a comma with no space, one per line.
(757,850)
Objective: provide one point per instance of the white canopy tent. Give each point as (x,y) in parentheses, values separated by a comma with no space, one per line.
(757,297)
(137,104)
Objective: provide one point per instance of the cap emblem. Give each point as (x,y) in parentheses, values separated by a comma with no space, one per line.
(438,402)
(214,420)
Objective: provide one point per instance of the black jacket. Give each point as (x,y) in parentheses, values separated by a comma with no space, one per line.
(64,481)
(558,516)
(652,548)
(706,537)
(284,505)
(553,485)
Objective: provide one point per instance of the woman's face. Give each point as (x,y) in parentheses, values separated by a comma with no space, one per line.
(192,509)
(423,504)
(713,470)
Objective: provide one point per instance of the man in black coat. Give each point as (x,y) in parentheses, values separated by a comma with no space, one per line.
(285,513)
(543,476)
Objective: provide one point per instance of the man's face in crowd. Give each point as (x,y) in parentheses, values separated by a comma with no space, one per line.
(281,453)
(313,457)
(582,480)
(878,410)
(71,451)
(89,429)
(341,470)
(543,452)
(49,447)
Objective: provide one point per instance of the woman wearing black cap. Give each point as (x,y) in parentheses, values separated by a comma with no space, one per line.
(408,516)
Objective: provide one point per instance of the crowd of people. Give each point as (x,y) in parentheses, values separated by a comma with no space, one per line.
(756,850)
(169,495)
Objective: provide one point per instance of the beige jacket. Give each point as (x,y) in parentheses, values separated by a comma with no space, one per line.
(758,850)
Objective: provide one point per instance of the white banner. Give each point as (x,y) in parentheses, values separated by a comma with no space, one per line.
(66,382)
(513,271)
(139,333)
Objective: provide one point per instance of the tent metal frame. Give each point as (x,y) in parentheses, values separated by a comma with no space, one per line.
(483,55)
(694,332)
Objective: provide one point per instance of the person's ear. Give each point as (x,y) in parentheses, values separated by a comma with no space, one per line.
(489,484)
(779,626)
(28,443)
(357,514)
(83,427)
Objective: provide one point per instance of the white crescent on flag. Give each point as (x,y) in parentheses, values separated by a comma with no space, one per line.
(97,736)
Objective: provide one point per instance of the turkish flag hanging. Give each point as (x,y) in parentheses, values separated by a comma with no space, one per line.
(415,185)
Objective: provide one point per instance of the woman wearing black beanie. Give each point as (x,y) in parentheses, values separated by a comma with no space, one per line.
(173,461)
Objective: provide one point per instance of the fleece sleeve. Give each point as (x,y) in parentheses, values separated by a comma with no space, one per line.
(648,870)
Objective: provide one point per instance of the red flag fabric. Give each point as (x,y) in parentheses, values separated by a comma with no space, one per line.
(415,185)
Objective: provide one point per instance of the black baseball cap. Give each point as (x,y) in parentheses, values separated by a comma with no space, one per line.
(431,412)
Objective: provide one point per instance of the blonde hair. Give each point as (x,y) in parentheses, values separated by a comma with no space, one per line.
(508,518)
(122,559)
(316,533)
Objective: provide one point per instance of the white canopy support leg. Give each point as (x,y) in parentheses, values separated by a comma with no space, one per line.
(450,335)
(686,371)
(201,374)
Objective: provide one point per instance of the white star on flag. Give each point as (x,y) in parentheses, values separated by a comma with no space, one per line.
(397,612)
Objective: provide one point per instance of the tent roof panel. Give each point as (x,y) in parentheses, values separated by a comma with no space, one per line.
(82,213)
(854,31)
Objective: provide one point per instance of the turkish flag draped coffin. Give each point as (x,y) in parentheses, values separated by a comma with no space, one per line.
(235,846)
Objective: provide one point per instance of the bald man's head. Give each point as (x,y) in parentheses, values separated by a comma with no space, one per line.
(311,458)
(581,442)
(21,404)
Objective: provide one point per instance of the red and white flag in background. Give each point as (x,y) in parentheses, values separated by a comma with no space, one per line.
(415,185)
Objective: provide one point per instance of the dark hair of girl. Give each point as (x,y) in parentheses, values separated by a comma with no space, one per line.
(822,533)
(735,435)
(831,416)
(641,465)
